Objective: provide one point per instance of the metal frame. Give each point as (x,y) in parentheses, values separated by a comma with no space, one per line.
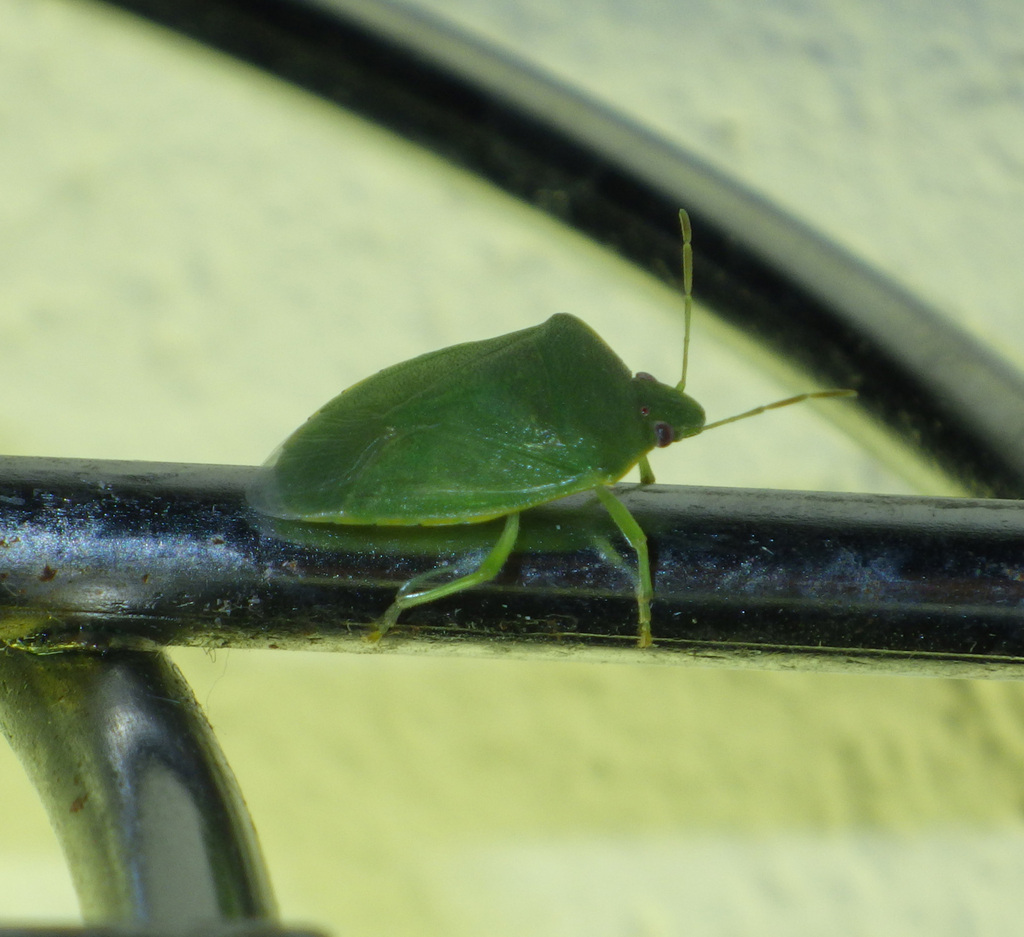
(941,393)
(107,555)
(113,561)
(146,809)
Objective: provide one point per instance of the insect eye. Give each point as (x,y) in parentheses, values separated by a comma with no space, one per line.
(663,434)
(644,376)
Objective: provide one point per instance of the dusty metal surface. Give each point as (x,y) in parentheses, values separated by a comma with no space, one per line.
(114,554)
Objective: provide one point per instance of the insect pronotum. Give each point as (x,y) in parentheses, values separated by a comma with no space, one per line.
(486,430)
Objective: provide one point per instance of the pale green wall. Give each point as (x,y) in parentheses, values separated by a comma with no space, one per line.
(193,258)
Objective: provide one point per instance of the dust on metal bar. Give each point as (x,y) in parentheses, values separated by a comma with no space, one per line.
(124,554)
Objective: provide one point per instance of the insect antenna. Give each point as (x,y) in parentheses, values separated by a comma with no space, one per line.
(687,230)
(684,224)
(816,394)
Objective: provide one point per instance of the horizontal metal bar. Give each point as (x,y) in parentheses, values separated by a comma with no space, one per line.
(100,554)
(146,809)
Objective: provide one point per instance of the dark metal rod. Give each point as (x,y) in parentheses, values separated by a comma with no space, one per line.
(778,281)
(146,809)
(100,554)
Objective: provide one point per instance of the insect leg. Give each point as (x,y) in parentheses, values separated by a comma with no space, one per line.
(637,539)
(490,567)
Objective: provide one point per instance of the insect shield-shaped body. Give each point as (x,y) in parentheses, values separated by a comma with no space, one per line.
(480,431)
(486,430)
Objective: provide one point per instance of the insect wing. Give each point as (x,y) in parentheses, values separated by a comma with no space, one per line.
(465,433)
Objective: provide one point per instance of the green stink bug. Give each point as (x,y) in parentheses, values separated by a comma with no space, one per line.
(485,430)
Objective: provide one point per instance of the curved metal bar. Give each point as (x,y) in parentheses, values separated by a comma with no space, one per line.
(108,554)
(149,816)
(935,388)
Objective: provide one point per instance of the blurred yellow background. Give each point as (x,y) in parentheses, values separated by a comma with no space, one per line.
(193,258)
